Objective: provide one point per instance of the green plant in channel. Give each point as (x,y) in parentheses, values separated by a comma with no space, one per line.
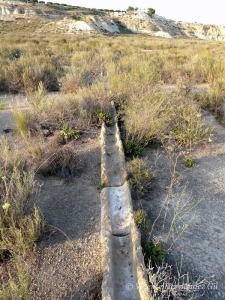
(101,186)
(104,117)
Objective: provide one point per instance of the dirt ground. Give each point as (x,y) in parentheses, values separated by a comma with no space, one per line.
(191,202)
(67,264)
(67,261)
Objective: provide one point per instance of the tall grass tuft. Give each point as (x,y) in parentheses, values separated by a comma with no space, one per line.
(23,121)
(17,282)
(19,229)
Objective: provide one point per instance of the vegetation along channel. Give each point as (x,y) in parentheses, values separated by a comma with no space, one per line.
(61,66)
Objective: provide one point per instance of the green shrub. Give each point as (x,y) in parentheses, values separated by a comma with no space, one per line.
(2,105)
(130,8)
(187,125)
(91,100)
(214,99)
(151,12)
(26,74)
(19,231)
(101,186)
(69,134)
(189,162)
(133,148)
(104,117)
(36,98)
(148,115)
(154,252)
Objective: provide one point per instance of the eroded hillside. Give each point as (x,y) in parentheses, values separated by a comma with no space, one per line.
(64,19)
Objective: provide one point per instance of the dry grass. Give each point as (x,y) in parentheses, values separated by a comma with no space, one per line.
(88,72)
(167,283)
(214,99)
(19,230)
(155,115)
(17,182)
(17,281)
(121,71)
(140,177)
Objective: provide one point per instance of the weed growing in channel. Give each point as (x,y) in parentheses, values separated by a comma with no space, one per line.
(101,186)
(103,117)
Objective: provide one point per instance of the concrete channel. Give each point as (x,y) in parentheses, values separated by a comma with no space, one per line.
(124,273)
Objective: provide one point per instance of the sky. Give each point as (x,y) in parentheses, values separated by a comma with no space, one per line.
(200,11)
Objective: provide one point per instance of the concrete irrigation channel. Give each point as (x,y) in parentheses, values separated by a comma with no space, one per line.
(124,273)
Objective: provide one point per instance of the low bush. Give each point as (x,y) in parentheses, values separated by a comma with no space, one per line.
(154,252)
(147,115)
(214,99)
(133,148)
(156,115)
(69,134)
(17,281)
(189,162)
(187,126)
(26,73)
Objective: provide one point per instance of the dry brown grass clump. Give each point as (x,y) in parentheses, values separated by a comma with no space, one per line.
(19,229)
(87,72)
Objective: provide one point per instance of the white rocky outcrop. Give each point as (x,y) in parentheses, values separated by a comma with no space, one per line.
(113,22)
(6,10)
(89,24)
(72,26)
(105,23)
